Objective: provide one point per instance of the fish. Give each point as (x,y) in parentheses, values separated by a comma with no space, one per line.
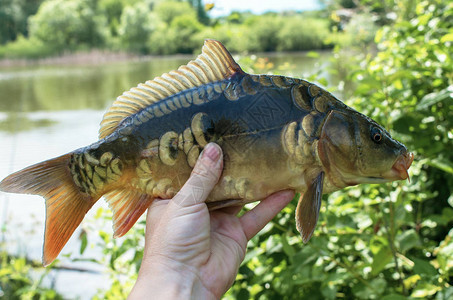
(276,133)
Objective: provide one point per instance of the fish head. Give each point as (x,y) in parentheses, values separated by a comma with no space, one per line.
(355,149)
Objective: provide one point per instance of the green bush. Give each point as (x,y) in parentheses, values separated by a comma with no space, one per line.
(236,38)
(29,48)
(302,34)
(263,32)
(389,241)
(17,282)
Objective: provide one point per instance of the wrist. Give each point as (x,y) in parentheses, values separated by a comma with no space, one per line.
(163,279)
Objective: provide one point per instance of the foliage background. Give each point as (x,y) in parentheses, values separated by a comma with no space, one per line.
(37,28)
(392,241)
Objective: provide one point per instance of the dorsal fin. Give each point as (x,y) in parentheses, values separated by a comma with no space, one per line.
(214,63)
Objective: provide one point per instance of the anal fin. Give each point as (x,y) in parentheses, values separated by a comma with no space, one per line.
(127,206)
(307,210)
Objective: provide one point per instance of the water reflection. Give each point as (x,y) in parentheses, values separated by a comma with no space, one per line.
(54,88)
(14,122)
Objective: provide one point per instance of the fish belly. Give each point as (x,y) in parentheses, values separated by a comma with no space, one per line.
(251,163)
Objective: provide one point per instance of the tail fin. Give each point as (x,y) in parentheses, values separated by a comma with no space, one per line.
(66,205)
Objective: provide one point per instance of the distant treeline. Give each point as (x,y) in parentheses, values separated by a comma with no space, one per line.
(37,28)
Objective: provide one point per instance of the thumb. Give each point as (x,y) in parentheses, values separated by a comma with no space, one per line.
(204,176)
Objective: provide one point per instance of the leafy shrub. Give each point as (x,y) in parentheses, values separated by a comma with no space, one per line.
(23,47)
(389,241)
(236,38)
(302,34)
(263,32)
(16,281)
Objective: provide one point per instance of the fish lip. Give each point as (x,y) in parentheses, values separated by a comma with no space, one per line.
(400,168)
(397,172)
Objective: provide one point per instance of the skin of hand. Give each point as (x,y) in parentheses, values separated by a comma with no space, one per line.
(190,252)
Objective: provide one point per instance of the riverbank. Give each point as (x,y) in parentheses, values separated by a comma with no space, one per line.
(98,57)
(70,58)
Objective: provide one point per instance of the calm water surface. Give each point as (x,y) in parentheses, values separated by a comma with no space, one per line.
(46,111)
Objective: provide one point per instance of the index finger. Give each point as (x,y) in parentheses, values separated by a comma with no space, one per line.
(254,220)
(204,176)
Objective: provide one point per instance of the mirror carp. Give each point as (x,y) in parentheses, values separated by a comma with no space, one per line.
(276,133)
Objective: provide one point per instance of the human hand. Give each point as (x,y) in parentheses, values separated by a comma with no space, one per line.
(191,253)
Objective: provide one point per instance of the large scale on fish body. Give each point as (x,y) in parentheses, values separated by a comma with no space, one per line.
(266,125)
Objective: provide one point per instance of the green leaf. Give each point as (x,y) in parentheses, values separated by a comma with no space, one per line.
(398,84)
(408,240)
(435,97)
(287,248)
(378,36)
(394,297)
(322,81)
(410,281)
(380,260)
(404,122)
(84,242)
(379,285)
(243,294)
(447,38)
(441,163)
(398,76)
(329,291)
(424,267)
(424,290)
(374,288)
(251,254)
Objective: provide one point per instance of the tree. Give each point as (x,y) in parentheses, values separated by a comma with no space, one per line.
(177,29)
(11,15)
(69,24)
(13,18)
(168,10)
(137,24)
(112,10)
(201,12)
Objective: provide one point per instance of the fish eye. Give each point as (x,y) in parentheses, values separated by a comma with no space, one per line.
(376,135)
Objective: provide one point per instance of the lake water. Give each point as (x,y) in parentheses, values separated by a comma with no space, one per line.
(49,110)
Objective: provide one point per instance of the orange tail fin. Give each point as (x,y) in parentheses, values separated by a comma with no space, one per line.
(66,205)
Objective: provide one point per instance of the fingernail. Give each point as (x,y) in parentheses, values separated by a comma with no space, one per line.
(212,152)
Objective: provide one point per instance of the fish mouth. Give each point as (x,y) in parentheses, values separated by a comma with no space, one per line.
(399,170)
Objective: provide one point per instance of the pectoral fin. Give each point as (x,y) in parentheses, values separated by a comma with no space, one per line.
(307,210)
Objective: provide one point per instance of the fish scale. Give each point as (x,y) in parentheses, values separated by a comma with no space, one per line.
(276,133)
